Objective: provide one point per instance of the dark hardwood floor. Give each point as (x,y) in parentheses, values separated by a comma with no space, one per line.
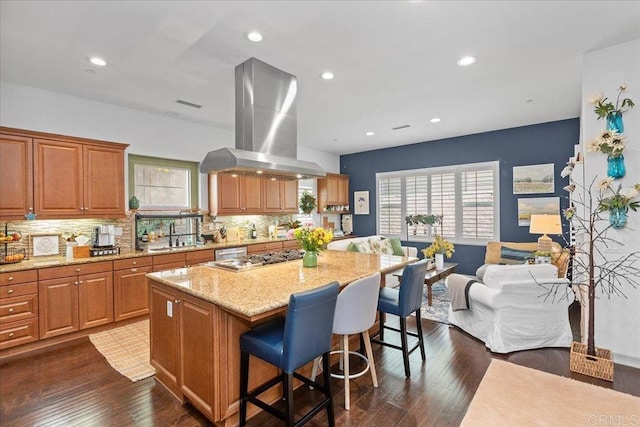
(75,386)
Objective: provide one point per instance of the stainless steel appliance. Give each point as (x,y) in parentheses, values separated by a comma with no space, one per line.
(104,236)
(247,262)
(230,253)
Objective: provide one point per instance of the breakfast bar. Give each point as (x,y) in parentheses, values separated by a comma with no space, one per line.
(197,315)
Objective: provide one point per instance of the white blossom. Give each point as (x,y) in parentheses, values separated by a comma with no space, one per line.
(595,98)
(566,171)
(605,183)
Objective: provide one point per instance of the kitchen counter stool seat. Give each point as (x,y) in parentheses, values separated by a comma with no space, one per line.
(355,314)
(402,302)
(289,344)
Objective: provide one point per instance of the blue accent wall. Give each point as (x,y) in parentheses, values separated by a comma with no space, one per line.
(551,142)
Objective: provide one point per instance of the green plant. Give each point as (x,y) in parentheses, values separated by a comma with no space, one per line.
(618,200)
(292,224)
(307,202)
(423,219)
(603,108)
(439,246)
(542,253)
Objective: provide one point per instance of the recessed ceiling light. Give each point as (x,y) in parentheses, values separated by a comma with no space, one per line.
(98,61)
(528,101)
(299,176)
(327,75)
(370,133)
(259,172)
(254,36)
(466,61)
(435,120)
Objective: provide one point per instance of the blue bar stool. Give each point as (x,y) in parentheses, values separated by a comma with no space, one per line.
(288,344)
(355,314)
(402,302)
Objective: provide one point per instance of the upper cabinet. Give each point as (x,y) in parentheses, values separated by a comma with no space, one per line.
(16,176)
(231,194)
(69,177)
(333,193)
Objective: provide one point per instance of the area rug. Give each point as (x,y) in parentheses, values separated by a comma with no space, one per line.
(512,395)
(438,311)
(126,348)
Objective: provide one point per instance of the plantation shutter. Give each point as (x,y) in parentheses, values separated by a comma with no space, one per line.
(478,209)
(390,221)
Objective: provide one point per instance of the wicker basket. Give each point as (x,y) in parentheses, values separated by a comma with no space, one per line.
(599,366)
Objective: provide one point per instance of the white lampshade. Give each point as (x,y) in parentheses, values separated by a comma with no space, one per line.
(545,224)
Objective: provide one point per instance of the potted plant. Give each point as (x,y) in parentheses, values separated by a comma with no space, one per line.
(307,202)
(313,240)
(424,220)
(619,203)
(613,113)
(542,257)
(439,249)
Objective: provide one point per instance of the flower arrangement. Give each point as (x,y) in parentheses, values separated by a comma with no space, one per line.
(603,108)
(609,142)
(439,246)
(618,199)
(312,238)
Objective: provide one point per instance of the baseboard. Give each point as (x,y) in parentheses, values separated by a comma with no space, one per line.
(623,359)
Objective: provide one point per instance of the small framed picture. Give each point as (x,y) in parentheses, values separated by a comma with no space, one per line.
(45,244)
(361,202)
(536,206)
(533,179)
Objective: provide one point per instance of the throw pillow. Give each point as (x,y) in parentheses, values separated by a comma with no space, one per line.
(363,246)
(514,256)
(381,246)
(352,247)
(397,246)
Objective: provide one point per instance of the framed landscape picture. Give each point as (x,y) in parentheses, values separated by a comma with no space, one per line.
(533,179)
(536,206)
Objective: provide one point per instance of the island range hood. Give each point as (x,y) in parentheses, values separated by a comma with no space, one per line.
(266,127)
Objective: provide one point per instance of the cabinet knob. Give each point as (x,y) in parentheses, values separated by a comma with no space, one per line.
(11,335)
(77,270)
(11,310)
(10,291)
(80,282)
(134,263)
(10,278)
(177,301)
(75,283)
(133,270)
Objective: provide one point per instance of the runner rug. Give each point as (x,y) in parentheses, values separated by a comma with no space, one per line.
(512,395)
(126,348)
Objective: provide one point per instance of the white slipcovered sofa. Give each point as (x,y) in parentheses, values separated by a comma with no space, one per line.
(513,310)
(343,245)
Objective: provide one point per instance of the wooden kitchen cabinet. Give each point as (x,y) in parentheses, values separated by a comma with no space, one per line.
(235,195)
(18,308)
(182,346)
(259,248)
(169,261)
(130,289)
(75,297)
(333,192)
(199,257)
(280,196)
(16,176)
(57,176)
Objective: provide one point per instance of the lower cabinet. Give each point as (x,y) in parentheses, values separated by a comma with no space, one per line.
(130,289)
(18,308)
(182,345)
(72,298)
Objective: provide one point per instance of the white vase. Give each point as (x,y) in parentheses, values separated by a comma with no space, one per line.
(70,246)
(439,261)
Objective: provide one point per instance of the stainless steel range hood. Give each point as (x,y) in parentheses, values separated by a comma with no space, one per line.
(266,127)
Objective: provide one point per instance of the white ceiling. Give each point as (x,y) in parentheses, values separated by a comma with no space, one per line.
(394,61)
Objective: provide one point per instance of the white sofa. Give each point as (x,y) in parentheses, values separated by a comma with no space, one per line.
(343,244)
(509,310)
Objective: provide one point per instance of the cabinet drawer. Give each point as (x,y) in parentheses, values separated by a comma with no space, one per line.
(18,290)
(168,266)
(18,277)
(75,270)
(18,333)
(264,247)
(197,257)
(18,308)
(290,244)
(124,264)
(172,259)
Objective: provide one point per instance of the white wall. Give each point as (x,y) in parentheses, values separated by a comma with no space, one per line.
(35,109)
(617,319)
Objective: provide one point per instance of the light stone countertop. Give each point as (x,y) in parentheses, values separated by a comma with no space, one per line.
(257,293)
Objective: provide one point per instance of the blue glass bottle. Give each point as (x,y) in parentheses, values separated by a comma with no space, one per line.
(615,166)
(614,122)
(618,217)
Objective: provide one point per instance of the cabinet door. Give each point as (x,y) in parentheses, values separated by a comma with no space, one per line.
(251,194)
(289,196)
(343,190)
(130,293)
(332,190)
(196,352)
(58,179)
(58,305)
(164,337)
(16,176)
(95,299)
(228,189)
(104,181)
(272,195)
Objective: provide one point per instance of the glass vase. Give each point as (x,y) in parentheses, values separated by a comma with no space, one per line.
(615,166)
(618,217)
(439,261)
(310,259)
(614,122)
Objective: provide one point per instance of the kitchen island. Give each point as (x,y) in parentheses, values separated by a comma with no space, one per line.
(198,314)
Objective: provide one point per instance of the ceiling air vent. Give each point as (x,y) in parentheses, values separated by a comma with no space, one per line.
(188,104)
(401,127)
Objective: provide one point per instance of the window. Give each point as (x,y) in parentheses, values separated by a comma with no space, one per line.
(467,197)
(163,184)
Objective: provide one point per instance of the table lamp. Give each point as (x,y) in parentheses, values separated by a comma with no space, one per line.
(545,224)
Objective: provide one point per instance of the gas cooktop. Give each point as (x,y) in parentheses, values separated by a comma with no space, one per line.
(248,262)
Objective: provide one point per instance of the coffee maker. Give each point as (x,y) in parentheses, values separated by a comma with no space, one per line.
(104,236)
